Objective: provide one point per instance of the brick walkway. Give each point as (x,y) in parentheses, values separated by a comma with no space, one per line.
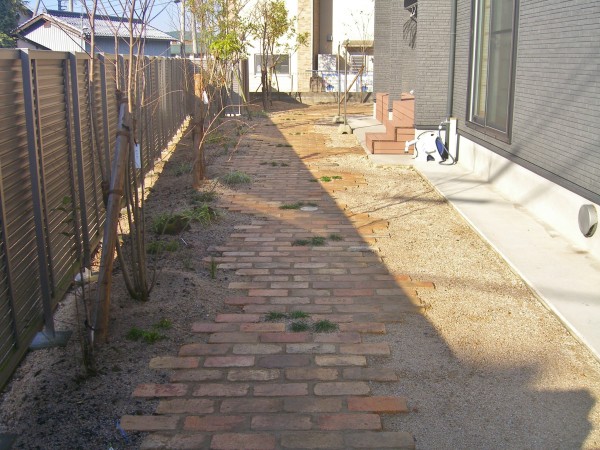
(256,384)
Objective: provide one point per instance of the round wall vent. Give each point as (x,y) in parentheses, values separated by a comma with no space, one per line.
(588,220)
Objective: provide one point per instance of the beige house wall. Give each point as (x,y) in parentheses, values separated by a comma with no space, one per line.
(306,54)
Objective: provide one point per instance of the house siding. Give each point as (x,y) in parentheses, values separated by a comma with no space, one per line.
(391,47)
(557,93)
(383,61)
(151,47)
(433,47)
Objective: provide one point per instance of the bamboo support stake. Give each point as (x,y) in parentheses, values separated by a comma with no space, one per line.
(352,84)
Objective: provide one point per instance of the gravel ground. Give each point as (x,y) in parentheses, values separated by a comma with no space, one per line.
(485,366)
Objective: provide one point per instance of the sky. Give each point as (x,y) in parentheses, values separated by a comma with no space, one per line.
(164,15)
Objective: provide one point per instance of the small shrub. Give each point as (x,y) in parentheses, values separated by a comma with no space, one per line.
(336,177)
(299,315)
(299,326)
(325,326)
(236,177)
(274,315)
(325,179)
(336,237)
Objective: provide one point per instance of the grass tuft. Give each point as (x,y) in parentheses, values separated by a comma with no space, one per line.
(299,326)
(149,337)
(163,324)
(336,237)
(182,168)
(159,247)
(299,315)
(203,197)
(325,326)
(317,241)
(236,177)
(300,243)
(274,315)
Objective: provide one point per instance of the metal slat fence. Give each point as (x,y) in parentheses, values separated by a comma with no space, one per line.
(56,141)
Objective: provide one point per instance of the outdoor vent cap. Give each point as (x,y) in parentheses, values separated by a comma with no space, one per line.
(588,220)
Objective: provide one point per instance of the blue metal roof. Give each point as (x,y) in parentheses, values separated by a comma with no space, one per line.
(108,26)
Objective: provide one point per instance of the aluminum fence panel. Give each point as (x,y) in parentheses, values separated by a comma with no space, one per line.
(56,139)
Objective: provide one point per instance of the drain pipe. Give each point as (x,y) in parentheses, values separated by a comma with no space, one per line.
(451,134)
(451,59)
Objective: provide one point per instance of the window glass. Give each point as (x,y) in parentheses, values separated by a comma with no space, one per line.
(492,49)
(282,63)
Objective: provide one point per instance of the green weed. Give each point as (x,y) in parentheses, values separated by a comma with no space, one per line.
(317,241)
(203,214)
(213,268)
(149,337)
(163,324)
(325,326)
(299,326)
(325,179)
(167,223)
(182,168)
(203,197)
(300,243)
(274,316)
(299,315)
(159,247)
(236,177)
(336,237)
(336,177)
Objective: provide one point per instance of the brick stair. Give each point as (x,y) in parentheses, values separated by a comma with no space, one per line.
(398,130)
(248,383)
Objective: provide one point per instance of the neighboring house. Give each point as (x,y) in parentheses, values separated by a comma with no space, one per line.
(70,31)
(329,23)
(521,78)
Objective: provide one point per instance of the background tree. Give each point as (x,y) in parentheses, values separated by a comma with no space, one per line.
(9,20)
(270,25)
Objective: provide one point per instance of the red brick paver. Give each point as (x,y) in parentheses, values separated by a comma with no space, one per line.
(248,383)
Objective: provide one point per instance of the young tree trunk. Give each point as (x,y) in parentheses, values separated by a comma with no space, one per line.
(198,133)
(265,88)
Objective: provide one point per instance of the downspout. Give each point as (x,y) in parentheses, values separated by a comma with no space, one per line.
(451,131)
(451,59)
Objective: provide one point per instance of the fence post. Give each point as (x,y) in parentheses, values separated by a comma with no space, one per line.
(33,145)
(104,100)
(76,112)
